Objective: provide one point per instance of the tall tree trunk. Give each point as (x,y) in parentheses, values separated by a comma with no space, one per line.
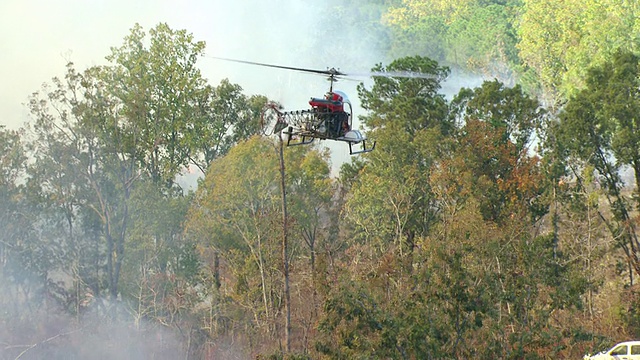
(285,251)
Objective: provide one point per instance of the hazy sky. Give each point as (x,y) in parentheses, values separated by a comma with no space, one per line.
(41,36)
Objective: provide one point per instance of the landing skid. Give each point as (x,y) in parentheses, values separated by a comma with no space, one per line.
(304,140)
(364,147)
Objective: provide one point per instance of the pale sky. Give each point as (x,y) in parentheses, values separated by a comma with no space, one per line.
(40,36)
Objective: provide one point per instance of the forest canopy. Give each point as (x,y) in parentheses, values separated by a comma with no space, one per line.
(501,222)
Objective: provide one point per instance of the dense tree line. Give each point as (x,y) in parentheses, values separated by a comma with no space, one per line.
(486,225)
(546,46)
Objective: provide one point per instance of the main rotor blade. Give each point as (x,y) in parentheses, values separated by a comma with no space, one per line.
(396,74)
(330,72)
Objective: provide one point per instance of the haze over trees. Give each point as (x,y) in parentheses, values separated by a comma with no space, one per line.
(499,223)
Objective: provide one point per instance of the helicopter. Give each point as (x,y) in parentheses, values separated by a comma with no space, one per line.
(328,118)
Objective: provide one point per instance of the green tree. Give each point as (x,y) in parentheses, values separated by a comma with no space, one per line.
(491,170)
(310,185)
(229,117)
(162,268)
(497,127)
(72,141)
(237,214)
(107,130)
(12,170)
(388,210)
(472,35)
(408,119)
(19,251)
(598,127)
(472,285)
(162,95)
(234,211)
(560,40)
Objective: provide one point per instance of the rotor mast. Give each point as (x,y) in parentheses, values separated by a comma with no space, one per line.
(333,77)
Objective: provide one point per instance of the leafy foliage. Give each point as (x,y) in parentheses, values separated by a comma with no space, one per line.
(560,40)
(481,227)
(408,118)
(598,129)
(497,128)
(474,35)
